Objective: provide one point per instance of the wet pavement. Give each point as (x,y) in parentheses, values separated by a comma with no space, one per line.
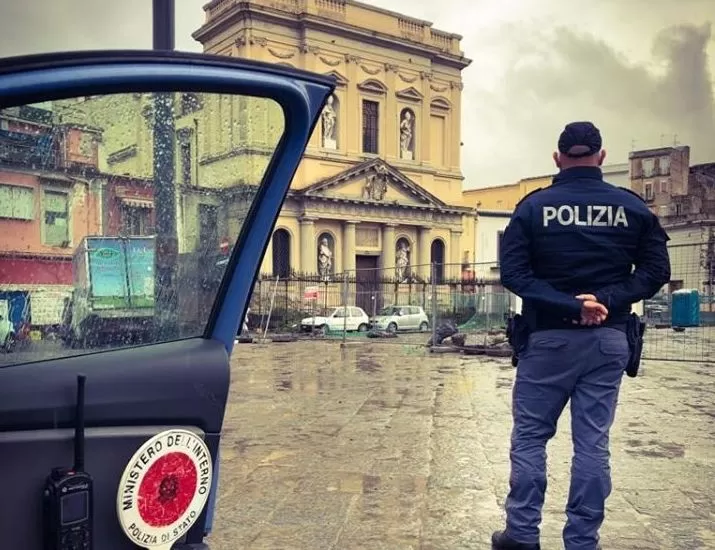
(386,446)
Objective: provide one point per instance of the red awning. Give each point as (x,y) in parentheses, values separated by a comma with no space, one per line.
(35,271)
(136,202)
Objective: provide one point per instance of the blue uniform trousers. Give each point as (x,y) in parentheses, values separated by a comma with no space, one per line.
(585,366)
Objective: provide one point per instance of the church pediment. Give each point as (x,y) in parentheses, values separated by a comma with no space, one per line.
(372,85)
(340,80)
(373,181)
(410,94)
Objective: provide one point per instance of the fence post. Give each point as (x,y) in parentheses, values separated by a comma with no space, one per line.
(345,305)
(273,297)
(433,281)
(286,311)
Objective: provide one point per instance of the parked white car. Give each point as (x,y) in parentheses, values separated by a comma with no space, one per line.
(394,318)
(357,320)
(7,335)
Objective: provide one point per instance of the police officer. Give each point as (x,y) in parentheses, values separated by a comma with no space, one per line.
(569,252)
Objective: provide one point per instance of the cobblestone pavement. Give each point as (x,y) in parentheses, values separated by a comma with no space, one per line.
(386,446)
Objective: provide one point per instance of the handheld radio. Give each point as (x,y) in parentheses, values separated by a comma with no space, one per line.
(68,497)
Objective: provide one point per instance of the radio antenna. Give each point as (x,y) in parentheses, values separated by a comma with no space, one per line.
(79,425)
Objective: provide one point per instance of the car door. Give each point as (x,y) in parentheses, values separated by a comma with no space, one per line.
(131,145)
(406,318)
(356,318)
(415,316)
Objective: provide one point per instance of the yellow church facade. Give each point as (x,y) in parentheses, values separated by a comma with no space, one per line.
(380,183)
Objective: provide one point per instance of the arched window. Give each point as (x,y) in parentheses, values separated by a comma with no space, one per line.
(281,253)
(437,258)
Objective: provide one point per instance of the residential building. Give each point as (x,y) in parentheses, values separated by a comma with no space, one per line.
(618,174)
(48,203)
(692,259)
(674,190)
(489,226)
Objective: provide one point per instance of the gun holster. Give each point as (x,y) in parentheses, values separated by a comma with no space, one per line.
(635,329)
(517,333)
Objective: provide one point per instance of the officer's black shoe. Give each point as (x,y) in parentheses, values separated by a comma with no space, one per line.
(501,541)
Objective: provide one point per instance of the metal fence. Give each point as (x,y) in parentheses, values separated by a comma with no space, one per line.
(670,335)
(409,306)
(475,302)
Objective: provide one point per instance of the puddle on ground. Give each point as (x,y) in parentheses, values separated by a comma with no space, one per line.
(655,449)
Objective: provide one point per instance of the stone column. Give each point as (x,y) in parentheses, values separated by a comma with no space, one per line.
(354,109)
(349,246)
(308,246)
(424,154)
(423,252)
(455,250)
(392,115)
(388,250)
(455,128)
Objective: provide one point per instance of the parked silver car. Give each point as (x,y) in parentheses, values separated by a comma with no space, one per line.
(394,318)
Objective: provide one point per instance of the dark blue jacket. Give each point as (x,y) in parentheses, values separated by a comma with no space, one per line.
(582,235)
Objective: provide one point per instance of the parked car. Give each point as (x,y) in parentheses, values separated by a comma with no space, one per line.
(335,321)
(657,308)
(394,318)
(7,335)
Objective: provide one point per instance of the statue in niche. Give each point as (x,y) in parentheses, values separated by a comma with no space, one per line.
(406,133)
(330,119)
(325,258)
(402,260)
(376,186)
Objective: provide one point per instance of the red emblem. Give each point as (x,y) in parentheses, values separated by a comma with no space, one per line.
(167,489)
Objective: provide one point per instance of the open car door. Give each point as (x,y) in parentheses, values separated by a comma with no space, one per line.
(122,177)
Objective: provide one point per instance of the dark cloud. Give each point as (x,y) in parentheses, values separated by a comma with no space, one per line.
(528,78)
(563,75)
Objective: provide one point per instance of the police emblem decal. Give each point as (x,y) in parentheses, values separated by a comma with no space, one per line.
(164,488)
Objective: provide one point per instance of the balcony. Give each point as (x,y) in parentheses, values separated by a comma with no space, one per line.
(35,114)
(28,151)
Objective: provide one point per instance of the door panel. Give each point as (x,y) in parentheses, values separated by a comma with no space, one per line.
(99,144)
(367,285)
(108,451)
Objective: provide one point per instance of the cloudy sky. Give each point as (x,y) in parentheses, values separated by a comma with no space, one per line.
(642,70)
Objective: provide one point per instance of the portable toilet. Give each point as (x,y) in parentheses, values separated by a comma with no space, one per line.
(685,308)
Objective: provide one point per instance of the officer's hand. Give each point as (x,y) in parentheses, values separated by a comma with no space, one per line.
(592,312)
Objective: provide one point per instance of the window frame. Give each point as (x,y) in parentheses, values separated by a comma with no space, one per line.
(648,191)
(13,187)
(364,128)
(54,189)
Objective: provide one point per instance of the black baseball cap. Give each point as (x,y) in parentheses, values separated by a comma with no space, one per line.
(580,139)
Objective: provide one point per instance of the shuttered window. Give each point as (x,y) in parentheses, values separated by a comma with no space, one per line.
(17,202)
(56,219)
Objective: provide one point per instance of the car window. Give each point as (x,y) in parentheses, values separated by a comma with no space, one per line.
(91,257)
(340,312)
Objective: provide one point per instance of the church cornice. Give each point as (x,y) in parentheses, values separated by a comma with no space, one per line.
(383,205)
(246,11)
(316,153)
